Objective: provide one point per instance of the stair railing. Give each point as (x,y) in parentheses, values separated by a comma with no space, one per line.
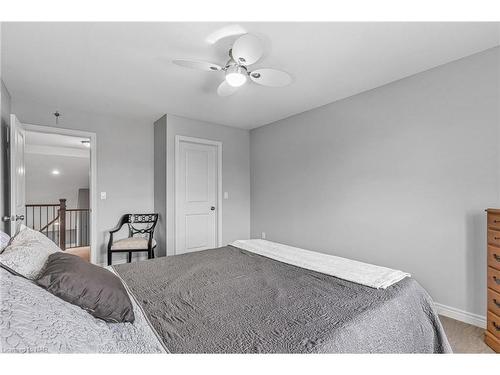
(67,227)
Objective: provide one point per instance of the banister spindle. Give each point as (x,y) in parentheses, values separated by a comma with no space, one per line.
(62,224)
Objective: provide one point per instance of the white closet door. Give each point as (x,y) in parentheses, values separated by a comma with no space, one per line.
(196,197)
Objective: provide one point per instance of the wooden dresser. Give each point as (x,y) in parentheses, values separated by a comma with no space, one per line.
(492,334)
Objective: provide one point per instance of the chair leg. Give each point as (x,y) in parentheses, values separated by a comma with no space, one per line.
(109,257)
(129,256)
(152,253)
(149,254)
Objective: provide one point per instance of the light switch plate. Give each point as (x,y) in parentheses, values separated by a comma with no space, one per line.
(226,195)
(103,195)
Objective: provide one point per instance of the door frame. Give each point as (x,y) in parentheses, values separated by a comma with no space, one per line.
(202,141)
(93,175)
(12,154)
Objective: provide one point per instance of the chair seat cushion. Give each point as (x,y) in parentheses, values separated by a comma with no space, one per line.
(132,243)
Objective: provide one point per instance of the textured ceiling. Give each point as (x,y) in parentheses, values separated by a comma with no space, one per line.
(126,69)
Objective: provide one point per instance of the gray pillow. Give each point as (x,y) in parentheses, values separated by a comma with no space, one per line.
(93,288)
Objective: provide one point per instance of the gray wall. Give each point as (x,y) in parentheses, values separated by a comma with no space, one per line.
(124,160)
(4,160)
(42,187)
(397,176)
(160,183)
(235,174)
(83,198)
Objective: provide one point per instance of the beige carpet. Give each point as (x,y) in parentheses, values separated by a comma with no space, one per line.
(464,338)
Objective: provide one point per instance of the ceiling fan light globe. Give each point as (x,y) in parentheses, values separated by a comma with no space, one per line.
(236,79)
(236,76)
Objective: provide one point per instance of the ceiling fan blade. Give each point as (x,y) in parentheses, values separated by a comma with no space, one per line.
(197,64)
(226,89)
(247,49)
(271,77)
(225,32)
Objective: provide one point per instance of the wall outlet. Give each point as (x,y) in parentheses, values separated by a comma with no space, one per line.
(103,195)
(263,235)
(226,195)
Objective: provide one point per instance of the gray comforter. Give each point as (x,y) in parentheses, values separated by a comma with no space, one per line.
(230,300)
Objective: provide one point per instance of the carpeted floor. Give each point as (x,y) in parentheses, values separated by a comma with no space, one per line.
(464,338)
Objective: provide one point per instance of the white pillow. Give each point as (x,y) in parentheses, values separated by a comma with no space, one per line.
(28,252)
(4,240)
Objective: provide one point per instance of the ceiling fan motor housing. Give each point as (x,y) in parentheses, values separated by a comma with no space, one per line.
(232,62)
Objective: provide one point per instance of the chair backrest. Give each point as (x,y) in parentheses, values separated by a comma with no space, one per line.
(149,219)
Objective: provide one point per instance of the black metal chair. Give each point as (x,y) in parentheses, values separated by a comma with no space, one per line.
(139,238)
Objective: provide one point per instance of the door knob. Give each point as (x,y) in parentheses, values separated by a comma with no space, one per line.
(212,208)
(11,218)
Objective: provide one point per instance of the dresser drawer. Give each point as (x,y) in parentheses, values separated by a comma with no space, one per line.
(494,237)
(492,341)
(494,221)
(494,279)
(494,301)
(494,257)
(494,324)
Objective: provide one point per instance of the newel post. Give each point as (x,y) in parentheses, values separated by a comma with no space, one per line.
(62,224)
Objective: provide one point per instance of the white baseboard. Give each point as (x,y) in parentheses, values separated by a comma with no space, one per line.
(461,315)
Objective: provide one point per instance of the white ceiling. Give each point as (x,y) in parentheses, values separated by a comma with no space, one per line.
(55,140)
(56,144)
(126,69)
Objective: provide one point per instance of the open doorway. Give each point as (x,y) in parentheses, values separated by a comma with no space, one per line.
(58,187)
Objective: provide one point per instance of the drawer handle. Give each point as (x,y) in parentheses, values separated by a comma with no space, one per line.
(497,257)
(496,238)
(496,302)
(496,280)
(496,221)
(497,327)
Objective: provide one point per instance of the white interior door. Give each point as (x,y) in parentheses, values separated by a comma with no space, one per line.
(196,197)
(17,174)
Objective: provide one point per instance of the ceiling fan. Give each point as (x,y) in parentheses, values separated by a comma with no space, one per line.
(246,50)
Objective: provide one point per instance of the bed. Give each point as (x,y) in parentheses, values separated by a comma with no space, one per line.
(231,299)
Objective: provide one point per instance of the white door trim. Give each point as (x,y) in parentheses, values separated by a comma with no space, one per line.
(93,176)
(15,128)
(178,140)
